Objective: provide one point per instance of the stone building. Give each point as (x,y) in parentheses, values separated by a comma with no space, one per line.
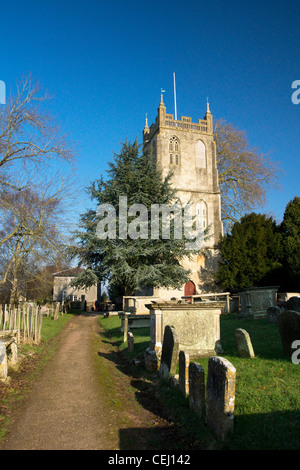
(188,149)
(62,290)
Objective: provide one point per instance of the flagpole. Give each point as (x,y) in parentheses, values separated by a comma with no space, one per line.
(175,105)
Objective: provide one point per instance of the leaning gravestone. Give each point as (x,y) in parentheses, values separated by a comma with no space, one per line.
(289,328)
(184,361)
(243,343)
(170,351)
(197,389)
(3,361)
(220,396)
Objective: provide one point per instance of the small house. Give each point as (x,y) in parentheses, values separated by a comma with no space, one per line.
(63,291)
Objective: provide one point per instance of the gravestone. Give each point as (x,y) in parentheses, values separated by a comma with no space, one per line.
(151,360)
(293,303)
(174,381)
(3,362)
(220,396)
(273,313)
(170,351)
(57,308)
(289,328)
(130,341)
(184,362)
(197,389)
(243,343)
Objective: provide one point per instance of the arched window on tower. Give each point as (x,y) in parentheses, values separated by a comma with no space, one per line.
(174,151)
(200,154)
(201,213)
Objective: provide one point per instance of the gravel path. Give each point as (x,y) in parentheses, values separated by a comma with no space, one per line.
(71,408)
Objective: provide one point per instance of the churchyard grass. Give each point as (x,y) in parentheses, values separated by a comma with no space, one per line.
(267,399)
(50,328)
(141,336)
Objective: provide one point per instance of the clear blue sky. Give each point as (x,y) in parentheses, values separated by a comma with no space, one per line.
(105,63)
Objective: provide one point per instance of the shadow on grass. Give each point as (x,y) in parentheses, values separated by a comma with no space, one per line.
(273,430)
(277,430)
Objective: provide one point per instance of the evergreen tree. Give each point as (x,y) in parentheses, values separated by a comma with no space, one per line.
(250,254)
(290,229)
(132,263)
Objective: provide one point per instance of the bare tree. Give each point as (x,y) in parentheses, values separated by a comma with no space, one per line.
(244,173)
(28,134)
(29,141)
(36,217)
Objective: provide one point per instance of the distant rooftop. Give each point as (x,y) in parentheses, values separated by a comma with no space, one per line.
(69,272)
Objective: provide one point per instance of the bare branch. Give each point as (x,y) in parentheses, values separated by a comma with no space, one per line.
(244,173)
(28,134)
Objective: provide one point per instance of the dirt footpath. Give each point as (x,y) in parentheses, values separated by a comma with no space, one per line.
(74,407)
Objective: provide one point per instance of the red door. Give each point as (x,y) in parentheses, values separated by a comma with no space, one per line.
(189,289)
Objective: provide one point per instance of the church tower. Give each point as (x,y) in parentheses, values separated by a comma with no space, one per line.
(188,150)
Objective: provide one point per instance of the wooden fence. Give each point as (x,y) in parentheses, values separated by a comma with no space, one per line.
(26,319)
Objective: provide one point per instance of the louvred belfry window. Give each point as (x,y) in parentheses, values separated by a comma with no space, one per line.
(174,151)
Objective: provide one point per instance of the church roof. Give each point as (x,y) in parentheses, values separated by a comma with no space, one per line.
(71,272)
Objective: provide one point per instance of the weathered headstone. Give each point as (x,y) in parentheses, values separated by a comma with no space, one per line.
(243,343)
(174,381)
(197,389)
(293,303)
(220,396)
(57,308)
(273,313)
(3,362)
(13,358)
(130,341)
(170,351)
(289,328)
(184,362)
(151,361)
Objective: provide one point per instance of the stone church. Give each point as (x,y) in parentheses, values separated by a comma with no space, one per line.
(188,150)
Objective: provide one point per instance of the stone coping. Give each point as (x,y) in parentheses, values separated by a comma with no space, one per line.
(135,315)
(250,289)
(204,304)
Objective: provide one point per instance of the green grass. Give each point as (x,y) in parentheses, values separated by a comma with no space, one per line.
(267,401)
(50,328)
(141,336)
